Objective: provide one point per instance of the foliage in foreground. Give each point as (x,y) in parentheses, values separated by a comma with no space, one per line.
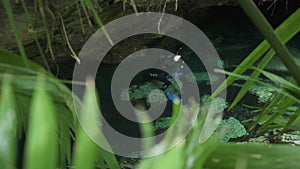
(282,111)
(49,131)
(38,108)
(44,134)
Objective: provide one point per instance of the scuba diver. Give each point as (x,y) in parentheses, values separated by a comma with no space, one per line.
(172,62)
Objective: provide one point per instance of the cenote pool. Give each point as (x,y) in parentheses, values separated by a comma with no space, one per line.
(233,36)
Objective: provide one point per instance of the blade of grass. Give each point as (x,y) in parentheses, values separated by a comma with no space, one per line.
(267,109)
(134,6)
(281,109)
(29,19)
(64,130)
(281,81)
(41,145)
(146,129)
(174,131)
(90,5)
(110,159)
(288,29)
(16,32)
(282,121)
(86,13)
(22,110)
(80,17)
(292,119)
(86,149)
(243,77)
(246,87)
(8,126)
(170,159)
(276,100)
(275,41)
(47,33)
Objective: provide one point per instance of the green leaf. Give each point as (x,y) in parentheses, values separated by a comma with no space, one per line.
(253,156)
(275,41)
(41,145)
(171,159)
(45,25)
(16,32)
(33,33)
(8,126)
(281,81)
(146,128)
(267,109)
(12,59)
(24,84)
(86,149)
(284,104)
(247,86)
(89,4)
(244,77)
(288,29)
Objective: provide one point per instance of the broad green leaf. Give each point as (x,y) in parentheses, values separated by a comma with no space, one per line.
(12,59)
(253,156)
(41,145)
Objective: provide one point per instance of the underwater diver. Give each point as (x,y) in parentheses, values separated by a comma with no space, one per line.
(172,62)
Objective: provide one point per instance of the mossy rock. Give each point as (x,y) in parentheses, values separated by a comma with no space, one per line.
(147,91)
(232,128)
(264,93)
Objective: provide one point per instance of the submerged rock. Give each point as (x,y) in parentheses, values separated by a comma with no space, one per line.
(276,64)
(264,93)
(232,129)
(146,90)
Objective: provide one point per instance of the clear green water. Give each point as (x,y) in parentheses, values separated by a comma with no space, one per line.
(234,37)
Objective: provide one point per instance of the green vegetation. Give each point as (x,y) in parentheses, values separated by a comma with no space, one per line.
(232,129)
(39,127)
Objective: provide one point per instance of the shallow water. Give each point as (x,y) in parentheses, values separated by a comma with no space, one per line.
(233,36)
